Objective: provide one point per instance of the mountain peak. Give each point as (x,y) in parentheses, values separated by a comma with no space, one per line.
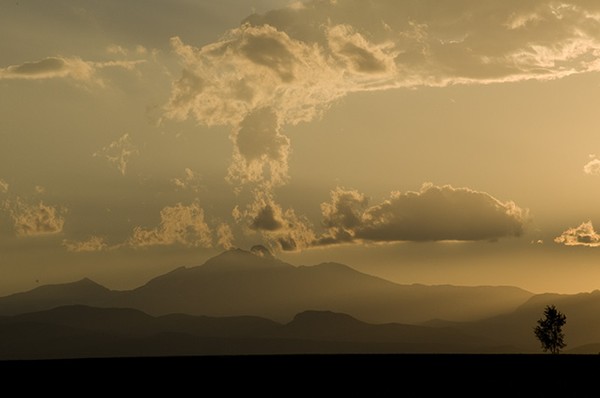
(87,281)
(237,259)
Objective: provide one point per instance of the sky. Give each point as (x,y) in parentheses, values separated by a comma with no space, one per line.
(419,141)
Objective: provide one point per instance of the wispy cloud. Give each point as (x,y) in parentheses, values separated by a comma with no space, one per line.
(3,186)
(64,68)
(93,244)
(583,235)
(190,180)
(119,152)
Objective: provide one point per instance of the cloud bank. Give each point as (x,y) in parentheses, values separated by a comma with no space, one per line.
(583,235)
(289,65)
(435,213)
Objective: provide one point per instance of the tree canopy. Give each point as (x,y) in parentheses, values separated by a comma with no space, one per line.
(549,330)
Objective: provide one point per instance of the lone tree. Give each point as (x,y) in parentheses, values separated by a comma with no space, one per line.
(549,330)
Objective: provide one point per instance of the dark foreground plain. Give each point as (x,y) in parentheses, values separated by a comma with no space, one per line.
(406,375)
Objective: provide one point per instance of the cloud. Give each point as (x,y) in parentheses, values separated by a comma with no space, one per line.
(283,230)
(583,235)
(593,166)
(63,67)
(255,80)
(435,213)
(259,146)
(35,219)
(268,218)
(119,152)
(225,236)
(179,224)
(93,244)
(343,214)
(190,180)
(3,186)
(358,54)
(116,49)
(49,68)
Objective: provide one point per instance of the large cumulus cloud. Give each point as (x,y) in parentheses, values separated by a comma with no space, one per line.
(435,213)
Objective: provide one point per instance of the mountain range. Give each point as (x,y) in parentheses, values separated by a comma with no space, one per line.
(239,282)
(249,302)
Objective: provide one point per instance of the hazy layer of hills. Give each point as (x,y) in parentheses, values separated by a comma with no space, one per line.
(582,329)
(80,331)
(252,303)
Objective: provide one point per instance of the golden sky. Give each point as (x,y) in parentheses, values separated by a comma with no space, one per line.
(424,142)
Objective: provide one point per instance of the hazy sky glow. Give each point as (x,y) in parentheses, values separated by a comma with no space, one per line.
(423,142)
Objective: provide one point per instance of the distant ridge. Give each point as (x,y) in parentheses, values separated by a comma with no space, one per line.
(84,291)
(87,332)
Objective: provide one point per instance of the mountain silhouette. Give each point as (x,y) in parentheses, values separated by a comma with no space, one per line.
(81,331)
(255,283)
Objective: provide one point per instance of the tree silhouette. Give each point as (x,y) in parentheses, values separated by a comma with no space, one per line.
(549,330)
